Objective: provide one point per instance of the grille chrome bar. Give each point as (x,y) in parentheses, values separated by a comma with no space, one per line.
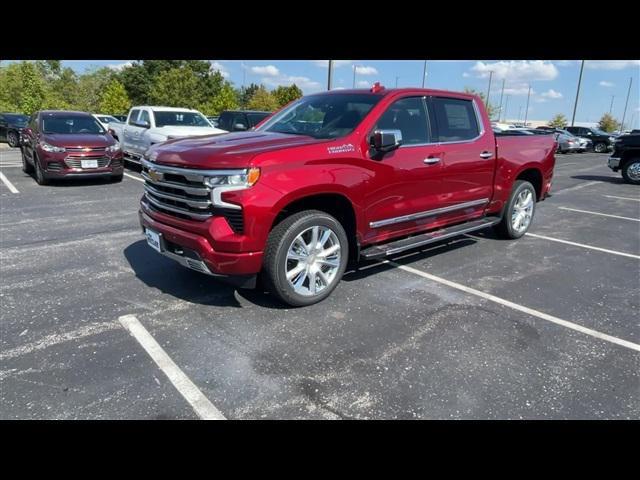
(182,211)
(201,191)
(178,198)
(76,162)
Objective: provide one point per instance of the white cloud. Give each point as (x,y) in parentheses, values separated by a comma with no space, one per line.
(567,63)
(119,66)
(363,84)
(518,89)
(604,83)
(551,93)
(611,64)
(336,63)
(219,67)
(270,70)
(466,75)
(517,70)
(364,70)
(305,83)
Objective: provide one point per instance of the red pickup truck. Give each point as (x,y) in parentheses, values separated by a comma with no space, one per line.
(336,177)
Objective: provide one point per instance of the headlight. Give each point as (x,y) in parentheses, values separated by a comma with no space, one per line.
(51,148)
(243,178)
(113,148)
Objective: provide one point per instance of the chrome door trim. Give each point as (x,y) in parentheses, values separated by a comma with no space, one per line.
(428,213)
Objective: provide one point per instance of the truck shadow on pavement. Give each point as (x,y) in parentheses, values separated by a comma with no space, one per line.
(157,271)
(600,178)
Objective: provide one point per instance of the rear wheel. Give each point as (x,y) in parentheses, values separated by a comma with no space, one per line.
(305,258)
(600,147)
(631,171)
(518,212)
(12,139)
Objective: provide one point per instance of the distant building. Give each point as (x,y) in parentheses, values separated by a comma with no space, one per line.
(530,123)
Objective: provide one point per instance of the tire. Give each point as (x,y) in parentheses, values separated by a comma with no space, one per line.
(286,240)
(600,147)
(506,228)
(631,171)
(26,166)
(41,179)
(116,178)
(13,140)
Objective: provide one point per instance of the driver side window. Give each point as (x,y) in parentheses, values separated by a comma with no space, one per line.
(409,115)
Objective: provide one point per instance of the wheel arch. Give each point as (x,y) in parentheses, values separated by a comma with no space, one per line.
(534,176)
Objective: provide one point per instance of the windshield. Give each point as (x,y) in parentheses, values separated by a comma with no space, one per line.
(107,119)
(322,116)
(71,124)
(600,132)
(21,120)
(180,119)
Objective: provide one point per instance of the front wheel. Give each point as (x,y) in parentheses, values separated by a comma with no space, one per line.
(41,179)
(631,171)
(305,258)
(519,211)
(12,139)
(26,166)
(600,147)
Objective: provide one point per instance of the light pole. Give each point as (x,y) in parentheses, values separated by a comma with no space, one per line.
(526,112)
(519,113)
(397,81)
(625,105)
(611,106)
(575,105)
(506,104)
(329,75)
(354,75)
(489,89)
(501,95)
(424,73)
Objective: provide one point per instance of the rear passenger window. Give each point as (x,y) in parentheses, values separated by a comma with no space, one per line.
(456,119)
(410,117)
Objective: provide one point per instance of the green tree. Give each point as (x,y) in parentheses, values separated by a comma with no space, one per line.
(608,123)
(91,85)
(32,96)
(10,87)
(246,93)
(225,99)
(114,99)
(285,95)
(558,121)
(491,110)
(262,99)
(176,87)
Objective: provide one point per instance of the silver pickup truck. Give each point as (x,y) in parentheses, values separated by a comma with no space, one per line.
(146,126)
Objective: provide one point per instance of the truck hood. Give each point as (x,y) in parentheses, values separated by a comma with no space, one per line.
(80,140)
(177,131)
(231,150)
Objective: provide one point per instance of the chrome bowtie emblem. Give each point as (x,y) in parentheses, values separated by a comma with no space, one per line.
(155,175)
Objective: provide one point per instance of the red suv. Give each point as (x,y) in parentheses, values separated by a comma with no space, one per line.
(62,144)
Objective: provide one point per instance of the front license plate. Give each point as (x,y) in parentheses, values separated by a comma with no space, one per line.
(89,163)
(153,239)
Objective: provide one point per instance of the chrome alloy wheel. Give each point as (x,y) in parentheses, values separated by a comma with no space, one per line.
(522,211)
(313,260)
(634,171)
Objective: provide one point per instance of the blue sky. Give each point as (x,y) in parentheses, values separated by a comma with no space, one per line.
(553,83)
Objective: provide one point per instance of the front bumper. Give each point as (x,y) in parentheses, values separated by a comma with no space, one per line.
(196,252)
(613,163)
(63,165)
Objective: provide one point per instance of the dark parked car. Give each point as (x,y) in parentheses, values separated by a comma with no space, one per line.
(240,120)
(62,144)
(602,141)
(11,124)
(214,121)
(626,157)
(122,118)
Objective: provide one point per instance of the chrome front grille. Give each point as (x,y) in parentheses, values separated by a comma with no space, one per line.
(182,193)
(76,162)
(87,149)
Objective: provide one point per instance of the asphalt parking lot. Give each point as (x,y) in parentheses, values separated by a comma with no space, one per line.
(476,328)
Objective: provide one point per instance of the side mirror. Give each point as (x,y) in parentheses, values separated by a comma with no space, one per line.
(239,127)
(589,133)
(386,140)
(143,124)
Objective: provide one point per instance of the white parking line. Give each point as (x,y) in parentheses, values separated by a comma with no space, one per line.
(192,394)
(582,245)
(520,308)
(622,198)
(601,214)
(9,185)
(576,187)
(133,176)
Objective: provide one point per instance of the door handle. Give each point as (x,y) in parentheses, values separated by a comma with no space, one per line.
(431,160)
(486,154)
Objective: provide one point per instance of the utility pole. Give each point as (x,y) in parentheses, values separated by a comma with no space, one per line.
(330,74)
(501,95)
(489,89)
(526,112)
(519,113)
(625,105)
(424,73)
(575,105)
(611,106)
(506,104)
(354,75)
(397,81)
